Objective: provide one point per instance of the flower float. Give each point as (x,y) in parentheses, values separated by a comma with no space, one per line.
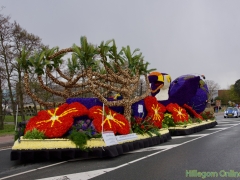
(108,120)
(155,111)
(56,122)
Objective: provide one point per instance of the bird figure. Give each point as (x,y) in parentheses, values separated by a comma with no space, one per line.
(186,89)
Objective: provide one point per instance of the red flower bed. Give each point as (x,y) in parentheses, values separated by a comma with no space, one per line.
(155,111)
(56,122)
(109,120)
(179,114)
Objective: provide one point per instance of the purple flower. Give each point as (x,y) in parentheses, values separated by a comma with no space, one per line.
(88,121)
(84,126)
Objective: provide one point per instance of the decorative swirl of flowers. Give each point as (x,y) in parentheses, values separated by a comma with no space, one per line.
(155,111)
(109,120)
(179,114)
(192,112)
(56,122)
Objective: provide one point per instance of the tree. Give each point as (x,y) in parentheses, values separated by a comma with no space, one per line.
(213,88)
(6,55)
(234,95)
(12,40)
(123,70)
(21,38)
(237,87)
(1,101)
(91,69)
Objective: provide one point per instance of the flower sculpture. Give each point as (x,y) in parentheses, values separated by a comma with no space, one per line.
(108,120)
(179,114)
(192,112)
(155,111)
(56,122)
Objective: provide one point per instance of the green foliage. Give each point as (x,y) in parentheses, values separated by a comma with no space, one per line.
(237,87)
(22,61)
(125,58)
(224,98)
(9,129)
(84,57)
(184,124)
(40,60)
(73,64)
(84,54)
(54,62)
(79,138)
(196,120)
(168,121)
(9,118)
(234,95)
(153,130)
(34,134)
(144,126)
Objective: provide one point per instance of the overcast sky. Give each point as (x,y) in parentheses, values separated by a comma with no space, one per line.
(177,37)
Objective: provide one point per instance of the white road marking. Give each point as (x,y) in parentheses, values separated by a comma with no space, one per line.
(225,120)
(218,128)
(155,148)
(226,124)
(33,170)
(192,135)
(81,176)
(5,148)
(90,174)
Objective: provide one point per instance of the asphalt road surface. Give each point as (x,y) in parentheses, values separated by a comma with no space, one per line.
(209,154)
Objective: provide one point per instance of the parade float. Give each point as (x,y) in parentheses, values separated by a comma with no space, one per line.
(105,103)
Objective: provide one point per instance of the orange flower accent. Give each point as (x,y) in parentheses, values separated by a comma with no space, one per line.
(56,122)
(155,111)
(109,120)
(180,113)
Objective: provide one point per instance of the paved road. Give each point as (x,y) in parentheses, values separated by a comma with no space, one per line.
(213,150)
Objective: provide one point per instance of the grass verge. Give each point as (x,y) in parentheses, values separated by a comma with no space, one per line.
(11,118)
(9,129)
